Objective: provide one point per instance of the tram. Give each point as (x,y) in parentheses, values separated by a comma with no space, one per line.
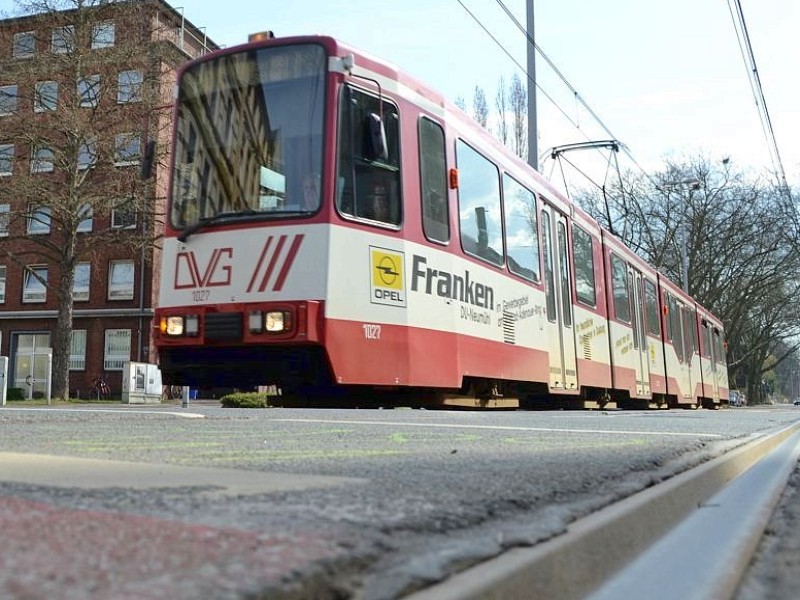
(341,231)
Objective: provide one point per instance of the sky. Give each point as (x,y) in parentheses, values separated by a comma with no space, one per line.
(666,78)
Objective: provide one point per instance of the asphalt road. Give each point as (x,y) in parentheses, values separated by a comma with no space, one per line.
(164,501)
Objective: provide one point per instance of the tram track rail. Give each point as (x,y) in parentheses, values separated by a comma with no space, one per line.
(693,531)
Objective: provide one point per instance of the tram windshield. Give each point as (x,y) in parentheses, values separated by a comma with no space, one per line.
(248,138)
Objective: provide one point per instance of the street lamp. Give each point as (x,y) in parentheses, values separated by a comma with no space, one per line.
(692,185)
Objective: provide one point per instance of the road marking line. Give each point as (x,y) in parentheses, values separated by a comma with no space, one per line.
(118,411)
(503,427)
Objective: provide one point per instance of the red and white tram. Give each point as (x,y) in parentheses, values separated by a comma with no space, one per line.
(336,228)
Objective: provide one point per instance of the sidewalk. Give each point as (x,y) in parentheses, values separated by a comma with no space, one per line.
(50,552)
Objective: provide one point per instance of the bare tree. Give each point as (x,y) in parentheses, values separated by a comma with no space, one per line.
(480,109)
(740,240)
(84,108)
(501,104)
(518,99)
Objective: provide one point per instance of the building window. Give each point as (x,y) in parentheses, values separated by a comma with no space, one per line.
(38,220)
(120,280)
(63,40)
(5,210)
(117,349)
(129,86)
(80,287)
(77,350)
(89,90)
(87,154)
(86,213)
(127,149)
(103,35)
(6,159)
(42,160)
(35,284)
(45,96)
(123,216)
(2,284)
(8,100)
(24,44)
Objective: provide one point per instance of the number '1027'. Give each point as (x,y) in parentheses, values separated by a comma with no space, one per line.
(372,331)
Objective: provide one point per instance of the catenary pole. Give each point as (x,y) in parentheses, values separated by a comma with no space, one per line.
(533,152)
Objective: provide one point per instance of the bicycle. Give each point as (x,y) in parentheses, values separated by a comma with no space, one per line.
(172,392)
(100,389)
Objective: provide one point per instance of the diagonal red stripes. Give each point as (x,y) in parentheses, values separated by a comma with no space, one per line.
(274,259)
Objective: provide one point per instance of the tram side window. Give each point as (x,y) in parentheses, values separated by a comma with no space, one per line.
(686,314)
(549,269)
(651,308)
(675,331)
(582,250)
(522,232)
(433,179)
(619,283)
(720,347)
(368,181)
(563,259)
(479,205)
(706,332)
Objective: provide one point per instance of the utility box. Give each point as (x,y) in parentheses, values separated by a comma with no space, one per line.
(141,383)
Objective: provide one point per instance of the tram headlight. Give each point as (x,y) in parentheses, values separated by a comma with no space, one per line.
(172,326)
(255,321)
(276,321)
(192,325)
(271,321)
(179,325)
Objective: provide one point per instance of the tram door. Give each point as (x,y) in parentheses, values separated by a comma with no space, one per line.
(558,292)
(689,319)
(680,333)
(641,359)
(711,351)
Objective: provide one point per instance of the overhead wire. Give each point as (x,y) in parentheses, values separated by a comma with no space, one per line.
(514,60)
(552,65)
(748,56)
(571,88)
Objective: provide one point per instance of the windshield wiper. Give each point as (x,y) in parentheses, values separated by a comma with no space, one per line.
(187,231)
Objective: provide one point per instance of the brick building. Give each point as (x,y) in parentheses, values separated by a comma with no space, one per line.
(81,93)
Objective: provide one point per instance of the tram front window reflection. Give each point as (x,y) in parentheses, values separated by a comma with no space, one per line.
(249,135)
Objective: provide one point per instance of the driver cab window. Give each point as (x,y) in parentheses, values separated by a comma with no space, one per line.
(368,177)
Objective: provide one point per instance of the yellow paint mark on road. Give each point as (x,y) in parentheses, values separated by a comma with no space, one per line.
(250,455)
(574,444)
(405,437)
(511,428)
